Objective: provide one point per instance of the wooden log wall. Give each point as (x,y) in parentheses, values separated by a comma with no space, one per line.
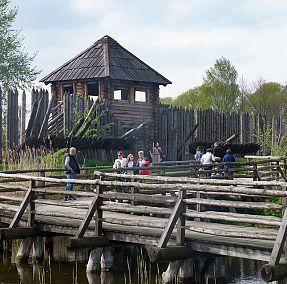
(177,123)
(12,120)
(75,106)
(1,123)
(39,103)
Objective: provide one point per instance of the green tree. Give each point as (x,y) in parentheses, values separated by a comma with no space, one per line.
(195,98)
(220,85)
(15,63)
(268,99)
(166,101)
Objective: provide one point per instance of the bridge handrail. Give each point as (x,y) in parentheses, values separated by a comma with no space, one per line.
(232,186)
(45,170)
(182,190)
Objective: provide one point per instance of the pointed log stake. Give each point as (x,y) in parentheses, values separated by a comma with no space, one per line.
(31,120)
(180,149)
(88,119)
(44,124)
(231,138)
(132,132)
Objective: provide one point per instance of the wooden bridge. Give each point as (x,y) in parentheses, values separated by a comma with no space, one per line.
(173,217)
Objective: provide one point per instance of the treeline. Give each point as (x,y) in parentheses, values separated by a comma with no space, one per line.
(222,90)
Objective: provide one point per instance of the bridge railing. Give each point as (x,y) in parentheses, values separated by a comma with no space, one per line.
(261,169)
(177,205)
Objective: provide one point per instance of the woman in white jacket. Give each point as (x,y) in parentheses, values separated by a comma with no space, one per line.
(207,159)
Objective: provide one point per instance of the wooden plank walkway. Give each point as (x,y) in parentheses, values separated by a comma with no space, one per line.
(65,218)
(172,216)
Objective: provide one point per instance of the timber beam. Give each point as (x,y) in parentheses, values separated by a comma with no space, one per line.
(157,254)
(18,233)
(87,242)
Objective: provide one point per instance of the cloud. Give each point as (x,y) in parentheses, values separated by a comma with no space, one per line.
(180,39)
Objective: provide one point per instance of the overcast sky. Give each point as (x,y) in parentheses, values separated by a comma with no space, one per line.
(180,39)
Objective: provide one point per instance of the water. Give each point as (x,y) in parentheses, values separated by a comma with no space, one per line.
(61,267)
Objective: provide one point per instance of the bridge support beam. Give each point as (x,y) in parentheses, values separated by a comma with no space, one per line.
(172,271)
(107,259)
(170,253)
(186,269)
(24,250)
(94,260)
(38,250)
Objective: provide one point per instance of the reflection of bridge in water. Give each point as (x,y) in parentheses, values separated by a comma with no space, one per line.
(173,217)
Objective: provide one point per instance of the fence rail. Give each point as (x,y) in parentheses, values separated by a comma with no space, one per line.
(171,213)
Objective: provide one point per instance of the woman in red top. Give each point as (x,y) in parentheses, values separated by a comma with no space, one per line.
(147,171)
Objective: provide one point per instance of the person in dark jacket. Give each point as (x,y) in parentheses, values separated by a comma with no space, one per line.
(229,158)
(72,170)
(217,152)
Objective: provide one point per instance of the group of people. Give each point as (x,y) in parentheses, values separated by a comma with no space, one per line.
(214,155)
(129,162)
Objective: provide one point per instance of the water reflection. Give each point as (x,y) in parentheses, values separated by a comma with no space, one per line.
(57,269)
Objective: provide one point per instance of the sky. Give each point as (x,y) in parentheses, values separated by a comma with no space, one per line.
(180,39)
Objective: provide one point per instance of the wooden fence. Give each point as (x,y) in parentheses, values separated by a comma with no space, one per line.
(177,125)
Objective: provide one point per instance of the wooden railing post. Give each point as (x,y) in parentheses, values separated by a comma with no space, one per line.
(225,171)
(87,176)
(256,175)
(99,213)
(277,170)
(284,167)
(180,235)
(31,214)
(198,207)
(173,219)
(279,242)
(41,183)
(132,189)
(284,202)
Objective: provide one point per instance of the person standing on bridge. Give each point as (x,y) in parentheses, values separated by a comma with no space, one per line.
(229,161)
(72,170)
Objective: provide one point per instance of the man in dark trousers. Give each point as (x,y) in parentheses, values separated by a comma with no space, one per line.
(218,152)
(72,169)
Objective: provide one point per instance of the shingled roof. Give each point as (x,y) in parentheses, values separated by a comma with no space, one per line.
(106,59)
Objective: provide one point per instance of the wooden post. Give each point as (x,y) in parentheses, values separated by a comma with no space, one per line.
(24,250)
(99,213)
(31,215)
(279,242)
(23,118)
(255,172)
(180,236)
(94,260)
(42,183)
(133,203)
(186,269)
(176,213)
(94,207)
(1,126)
(277,170)
(45,121)
(284,202)
(198,207)
(38,251)
(171,273)
(107,259)
(87,176)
